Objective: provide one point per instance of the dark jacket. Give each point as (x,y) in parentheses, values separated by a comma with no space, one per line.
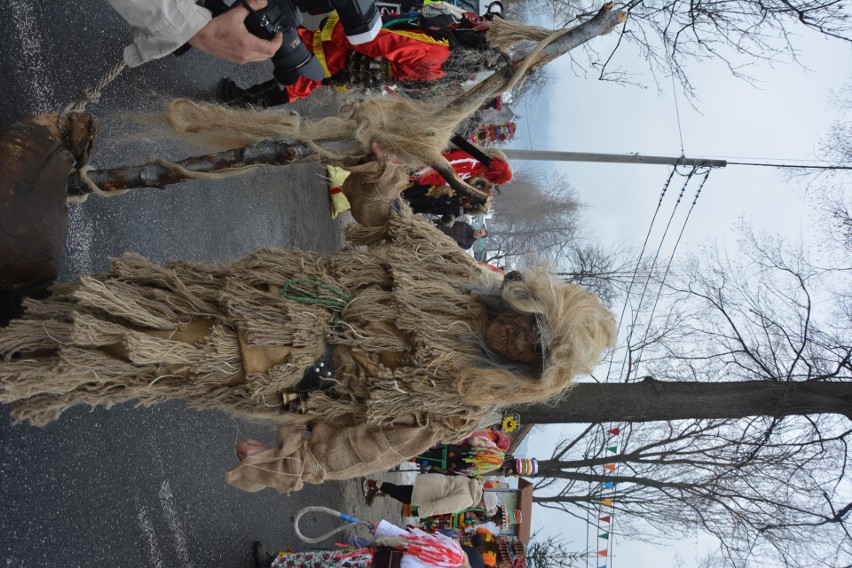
(460,232)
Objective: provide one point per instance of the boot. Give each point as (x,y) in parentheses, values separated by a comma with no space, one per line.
(261,95)
(261,558)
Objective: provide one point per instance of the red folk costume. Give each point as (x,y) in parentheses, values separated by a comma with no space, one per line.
(411,55)
(466,166)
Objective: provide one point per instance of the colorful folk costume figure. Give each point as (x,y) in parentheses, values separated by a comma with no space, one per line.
(489,163)
(494,133)
(366,357)
(483,168)
(476,456)
(392,547)
(407,51)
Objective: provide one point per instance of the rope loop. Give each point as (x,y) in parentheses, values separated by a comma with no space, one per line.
(318,509)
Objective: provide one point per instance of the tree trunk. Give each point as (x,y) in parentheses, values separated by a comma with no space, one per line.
(652,400)
(605,19)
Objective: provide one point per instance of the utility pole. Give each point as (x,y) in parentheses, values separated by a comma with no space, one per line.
(552,156)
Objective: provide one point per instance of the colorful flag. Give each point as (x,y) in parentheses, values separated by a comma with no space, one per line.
(606,519)
(613,431)
(609,467)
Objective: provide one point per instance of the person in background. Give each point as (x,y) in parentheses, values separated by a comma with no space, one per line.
(160,27)
(483,452)
(436,494)
(463,233)
(406,51)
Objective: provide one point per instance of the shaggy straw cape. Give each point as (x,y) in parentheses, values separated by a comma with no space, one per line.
(409,366)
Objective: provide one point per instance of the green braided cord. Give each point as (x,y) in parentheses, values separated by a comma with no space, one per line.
(304,297)
(397,21)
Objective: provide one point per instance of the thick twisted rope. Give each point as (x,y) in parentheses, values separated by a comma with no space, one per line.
(317,509)
(91,95)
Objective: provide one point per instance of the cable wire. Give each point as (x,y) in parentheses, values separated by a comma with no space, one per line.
(668,266)
(677,112)
(638,262)
(651,270)
(790,166)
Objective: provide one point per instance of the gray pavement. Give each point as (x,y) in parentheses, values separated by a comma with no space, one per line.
(128,486)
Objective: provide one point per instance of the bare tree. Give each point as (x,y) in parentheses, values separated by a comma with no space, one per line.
(554,552)
(670,33)
(609,272)
(532,221)
(832,189)
(751,409)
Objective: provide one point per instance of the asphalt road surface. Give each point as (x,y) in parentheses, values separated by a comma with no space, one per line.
(130,486)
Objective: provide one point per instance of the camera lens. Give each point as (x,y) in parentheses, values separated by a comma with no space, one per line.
(293,60)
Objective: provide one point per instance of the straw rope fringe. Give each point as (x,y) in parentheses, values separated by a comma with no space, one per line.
(223,338)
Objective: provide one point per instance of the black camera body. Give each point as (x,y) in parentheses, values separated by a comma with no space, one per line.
(360,19)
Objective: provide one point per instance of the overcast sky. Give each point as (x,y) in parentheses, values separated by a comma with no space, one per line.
(781,118)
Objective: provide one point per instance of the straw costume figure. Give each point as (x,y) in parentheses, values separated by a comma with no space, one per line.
(378,354)
(366,357)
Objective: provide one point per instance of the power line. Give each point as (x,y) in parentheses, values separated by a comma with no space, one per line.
(651,270)
(790,166)
(677,112)
(668,267)
(764,159)
(638,262)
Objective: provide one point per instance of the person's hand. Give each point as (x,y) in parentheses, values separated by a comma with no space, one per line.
(227,37)
(376,154)
(377,151)
(249,447)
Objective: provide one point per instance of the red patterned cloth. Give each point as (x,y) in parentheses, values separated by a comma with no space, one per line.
(413,55)
(466,166)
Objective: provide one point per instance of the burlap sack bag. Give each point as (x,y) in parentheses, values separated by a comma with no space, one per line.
(371,189)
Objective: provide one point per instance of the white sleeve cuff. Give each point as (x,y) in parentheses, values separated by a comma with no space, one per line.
(166,36)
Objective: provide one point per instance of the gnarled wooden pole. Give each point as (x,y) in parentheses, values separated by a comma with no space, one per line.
(159,175)
(599,24)
(279,152)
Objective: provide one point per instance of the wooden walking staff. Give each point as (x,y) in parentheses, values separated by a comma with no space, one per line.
(162,173)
